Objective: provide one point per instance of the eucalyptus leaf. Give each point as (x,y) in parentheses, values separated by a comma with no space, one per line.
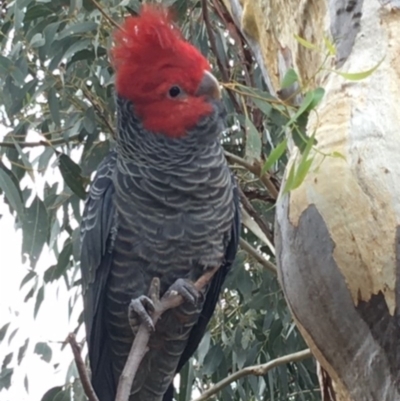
(39,301)
(37,40)
(289,79)
(25,160)
(22,351)
(7,359)
(89,122)
(213,359)
(26,383)
(77,28)
(44,351)
(253,142)
(29,276)
(263,105)
(5,65)
(12,192)
(3,331)
(71,174)
(54,107)
(52,393)
(330,46)
(274,156)
(358,76)
(5,378)
(35,230)
(305,43)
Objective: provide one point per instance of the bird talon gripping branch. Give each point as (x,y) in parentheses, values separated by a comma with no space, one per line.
(139,312)
(186,289)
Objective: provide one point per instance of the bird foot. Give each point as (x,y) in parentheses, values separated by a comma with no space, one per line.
(186,289)
(141,308)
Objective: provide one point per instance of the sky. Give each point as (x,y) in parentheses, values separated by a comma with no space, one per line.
(52,323)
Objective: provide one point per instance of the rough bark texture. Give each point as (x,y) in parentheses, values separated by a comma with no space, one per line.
(337,235)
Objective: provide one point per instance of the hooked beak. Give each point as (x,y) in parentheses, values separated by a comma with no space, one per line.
(209,87)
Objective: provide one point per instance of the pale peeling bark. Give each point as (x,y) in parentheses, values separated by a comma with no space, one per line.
(338,235)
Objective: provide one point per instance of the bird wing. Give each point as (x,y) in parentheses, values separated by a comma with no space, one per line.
(98,222)
(213,293)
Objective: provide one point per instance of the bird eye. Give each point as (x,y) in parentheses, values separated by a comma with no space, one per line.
(174,91)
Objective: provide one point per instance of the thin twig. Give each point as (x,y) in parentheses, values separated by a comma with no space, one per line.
(213,45)
(257,194)
(26,144)
(45,134)
(222,67)
(100,112)
(48,143)
(105,15)
(236,35)
(238,160)
(140,344)
(62,141)
(80,365)
(256,370)
(257,256)
(138,351)
(254,168)
(255,215)
(139,348)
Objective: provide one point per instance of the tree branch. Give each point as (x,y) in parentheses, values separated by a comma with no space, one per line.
(55,142)
(223,68)
(256,370)
(80,365)
(236,35)
(213,45)
(140,345)
(258,194)
(100,112)
(256,216)
(256,170)
(257,256)
(105,15)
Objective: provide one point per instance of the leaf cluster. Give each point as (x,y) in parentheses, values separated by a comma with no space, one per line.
(57,107)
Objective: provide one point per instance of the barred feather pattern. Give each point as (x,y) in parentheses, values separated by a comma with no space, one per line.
(173,199)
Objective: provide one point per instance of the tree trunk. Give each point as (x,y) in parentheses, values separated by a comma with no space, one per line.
(337,235)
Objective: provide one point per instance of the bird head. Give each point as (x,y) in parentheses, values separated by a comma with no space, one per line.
(167,79)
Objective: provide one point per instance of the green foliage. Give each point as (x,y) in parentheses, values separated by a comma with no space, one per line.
(57,104)
(44,351)
(289,79)
(298,172)
(358,76)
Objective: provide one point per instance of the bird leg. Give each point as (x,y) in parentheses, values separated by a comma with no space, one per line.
(144,306)
(141,308)
(186,289)
(140,344)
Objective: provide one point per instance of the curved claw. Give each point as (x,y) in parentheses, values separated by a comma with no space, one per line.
(140,308)
(186,290)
